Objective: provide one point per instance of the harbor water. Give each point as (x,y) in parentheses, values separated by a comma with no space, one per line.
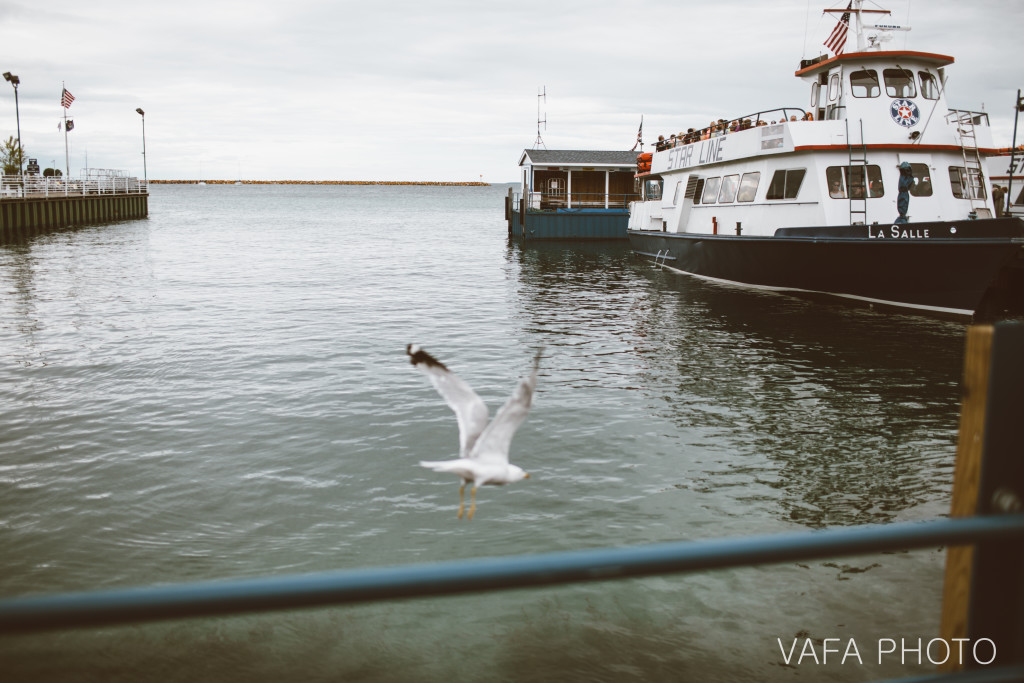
(221,391)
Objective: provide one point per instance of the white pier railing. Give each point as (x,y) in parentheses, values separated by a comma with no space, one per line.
(93,182)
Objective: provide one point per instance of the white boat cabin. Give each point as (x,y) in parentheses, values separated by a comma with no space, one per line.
(834,161)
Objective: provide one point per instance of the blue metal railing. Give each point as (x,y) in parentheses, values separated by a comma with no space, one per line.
(132,605)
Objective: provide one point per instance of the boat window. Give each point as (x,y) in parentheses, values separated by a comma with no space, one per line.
(922,186)
(786,183)
(748,186)
(833,88)
(843,179)
(679,188)
(836,184)
(729,185)
(815,92)
(929,86)
(711,186)
(864,83)
(899,83)
(966,185)
(653,189)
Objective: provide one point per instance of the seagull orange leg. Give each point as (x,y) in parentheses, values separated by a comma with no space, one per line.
(462,505)
(472,506)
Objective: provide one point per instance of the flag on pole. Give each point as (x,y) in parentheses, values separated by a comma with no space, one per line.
(837,40)
(639,135)
(66,98)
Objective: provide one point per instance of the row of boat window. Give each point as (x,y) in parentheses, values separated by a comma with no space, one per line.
(898,83)
(844,182)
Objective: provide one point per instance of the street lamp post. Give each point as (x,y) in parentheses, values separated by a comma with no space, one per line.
(145,175)
(14,80)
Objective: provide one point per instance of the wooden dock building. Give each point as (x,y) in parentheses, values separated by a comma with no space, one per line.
(572,195)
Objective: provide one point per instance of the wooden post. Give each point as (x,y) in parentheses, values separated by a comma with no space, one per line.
(956,592)
(984,587)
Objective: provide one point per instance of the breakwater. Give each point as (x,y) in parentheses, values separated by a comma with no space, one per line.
(323,182)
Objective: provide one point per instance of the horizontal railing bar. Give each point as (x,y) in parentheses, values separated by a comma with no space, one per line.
(994,674)
(25,614)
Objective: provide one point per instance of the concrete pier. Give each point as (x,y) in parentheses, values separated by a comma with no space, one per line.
(33,204)
(21,217)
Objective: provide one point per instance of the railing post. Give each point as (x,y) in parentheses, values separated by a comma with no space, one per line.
(984,587)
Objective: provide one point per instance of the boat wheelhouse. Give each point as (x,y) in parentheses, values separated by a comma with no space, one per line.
(874,191)
(572,194)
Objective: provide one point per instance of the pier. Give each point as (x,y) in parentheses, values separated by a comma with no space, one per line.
(32,204)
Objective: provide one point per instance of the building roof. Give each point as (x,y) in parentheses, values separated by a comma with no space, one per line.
(577,157)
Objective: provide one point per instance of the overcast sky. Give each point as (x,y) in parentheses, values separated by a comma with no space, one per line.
(433,89)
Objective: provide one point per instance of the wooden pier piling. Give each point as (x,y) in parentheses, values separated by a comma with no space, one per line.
(983,594)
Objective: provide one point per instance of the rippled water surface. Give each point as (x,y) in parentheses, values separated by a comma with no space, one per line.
(221,391)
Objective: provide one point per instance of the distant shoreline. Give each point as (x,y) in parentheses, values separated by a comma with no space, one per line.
(318,182)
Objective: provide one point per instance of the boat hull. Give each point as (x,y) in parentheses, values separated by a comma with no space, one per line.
(965,269)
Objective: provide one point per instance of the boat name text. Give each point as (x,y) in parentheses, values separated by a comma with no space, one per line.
(898,232)
(707,152)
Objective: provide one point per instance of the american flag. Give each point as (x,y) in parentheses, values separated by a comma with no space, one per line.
(639,135)
(837,40)
(66,98)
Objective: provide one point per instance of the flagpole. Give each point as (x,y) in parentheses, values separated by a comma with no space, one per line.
(67,159)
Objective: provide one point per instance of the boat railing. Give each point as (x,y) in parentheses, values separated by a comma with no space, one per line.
(978,118)
(555,201)
(983,599)
(765,117)
(37,186)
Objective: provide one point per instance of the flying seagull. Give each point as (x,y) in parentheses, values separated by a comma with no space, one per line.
(483,445)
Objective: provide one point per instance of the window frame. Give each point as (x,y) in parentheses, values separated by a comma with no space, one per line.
(786,192)
(710,196)
(730,185)
(920,170)
(926,76)
(834,89)
(870,187)
(874,83)
(974,190)
(746,193)
(891,83)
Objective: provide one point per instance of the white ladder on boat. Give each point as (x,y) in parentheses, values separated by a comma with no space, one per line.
(973,183)
(857,177)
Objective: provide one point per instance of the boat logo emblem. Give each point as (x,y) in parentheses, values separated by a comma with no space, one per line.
(905,112)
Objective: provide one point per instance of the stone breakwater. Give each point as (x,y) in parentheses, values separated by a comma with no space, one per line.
(318,182)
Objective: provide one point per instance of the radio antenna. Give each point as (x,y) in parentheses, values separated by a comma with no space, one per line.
(542,95)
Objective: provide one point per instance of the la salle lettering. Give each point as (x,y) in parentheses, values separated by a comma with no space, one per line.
(898,233)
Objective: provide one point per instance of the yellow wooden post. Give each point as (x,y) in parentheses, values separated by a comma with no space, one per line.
(957,589)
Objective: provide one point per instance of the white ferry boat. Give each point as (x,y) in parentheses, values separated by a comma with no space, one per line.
(810,200)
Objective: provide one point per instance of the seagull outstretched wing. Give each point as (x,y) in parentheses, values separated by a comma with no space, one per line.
(493,445)
(470,410)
